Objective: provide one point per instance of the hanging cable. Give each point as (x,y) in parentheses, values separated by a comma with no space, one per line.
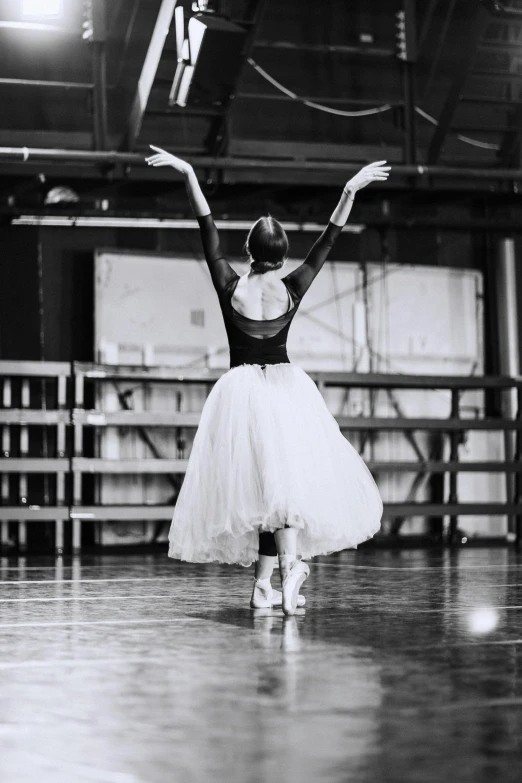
(466,139)
(311,104)
(362,112)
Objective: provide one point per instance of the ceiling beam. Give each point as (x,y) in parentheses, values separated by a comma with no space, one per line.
(217,138)
(465,54)
(510,146)
(148,72)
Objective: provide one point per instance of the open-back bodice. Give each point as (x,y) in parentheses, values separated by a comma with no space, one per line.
(256,341)
(253,341)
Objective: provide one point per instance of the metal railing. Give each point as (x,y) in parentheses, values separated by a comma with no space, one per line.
(61,391)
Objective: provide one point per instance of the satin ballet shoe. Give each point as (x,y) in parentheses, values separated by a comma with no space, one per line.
(293,575)
(277,599)
(261,594)
(264,597)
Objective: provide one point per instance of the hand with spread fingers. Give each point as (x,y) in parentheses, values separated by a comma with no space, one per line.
(163,158)
(373,172)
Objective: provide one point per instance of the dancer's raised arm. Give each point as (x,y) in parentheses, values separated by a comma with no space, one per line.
(220,270)
(302,277)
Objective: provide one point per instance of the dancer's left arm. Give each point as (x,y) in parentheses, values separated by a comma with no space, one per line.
(302,277)
(220,270)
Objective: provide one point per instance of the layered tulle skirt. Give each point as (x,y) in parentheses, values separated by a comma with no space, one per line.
(268,453)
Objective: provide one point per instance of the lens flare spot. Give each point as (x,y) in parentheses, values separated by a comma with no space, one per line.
(483,620)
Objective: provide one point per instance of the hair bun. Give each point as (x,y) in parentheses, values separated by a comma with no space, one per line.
(267,245)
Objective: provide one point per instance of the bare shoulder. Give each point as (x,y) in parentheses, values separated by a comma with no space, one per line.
(260,298)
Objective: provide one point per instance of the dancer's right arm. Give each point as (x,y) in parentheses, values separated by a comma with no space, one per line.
(220,270)
(302,277)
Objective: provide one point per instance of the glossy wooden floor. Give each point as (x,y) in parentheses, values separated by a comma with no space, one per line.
(405,666)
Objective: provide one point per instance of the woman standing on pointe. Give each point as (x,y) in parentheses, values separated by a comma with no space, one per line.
(270,474)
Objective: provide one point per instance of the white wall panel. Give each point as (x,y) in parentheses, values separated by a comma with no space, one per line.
(157,309)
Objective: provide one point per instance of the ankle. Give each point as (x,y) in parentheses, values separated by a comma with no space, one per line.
(285,564)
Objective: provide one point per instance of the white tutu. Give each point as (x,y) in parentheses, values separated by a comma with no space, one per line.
(269,453)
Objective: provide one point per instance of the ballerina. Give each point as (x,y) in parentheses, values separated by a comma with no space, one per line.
(270,478)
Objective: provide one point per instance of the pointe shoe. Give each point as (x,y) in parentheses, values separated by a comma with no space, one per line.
(277,599)
(261,594)
(264,597)
(293,574)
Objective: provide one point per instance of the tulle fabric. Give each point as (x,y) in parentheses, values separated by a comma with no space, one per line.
(268,453)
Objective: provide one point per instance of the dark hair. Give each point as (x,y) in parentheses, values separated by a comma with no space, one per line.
(267,245)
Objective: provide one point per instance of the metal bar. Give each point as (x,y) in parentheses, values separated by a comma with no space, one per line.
(33,465)
(99,73)
(508,343)
(153,512)
(217,138)
(343,379)
(38,369)
(366,51)
(255,96)
(426,22)
(509,152)
(48,84)
(454,457)
(111,157)
(95,418)
(77,451)
(6,450)
(61,445)
(95,465)
(431,466)
(22,478)
(148,72)
(34,513)
(25,416)
(465,55)
(400,224)
(125,466)
(518,480)
(410,115)
(425,89)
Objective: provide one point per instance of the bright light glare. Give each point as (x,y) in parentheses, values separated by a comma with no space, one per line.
(482,620)
(42,7)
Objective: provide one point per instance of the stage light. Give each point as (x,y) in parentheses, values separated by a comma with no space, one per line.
(42,8)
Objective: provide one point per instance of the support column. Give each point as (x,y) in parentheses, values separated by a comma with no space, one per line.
(509,361)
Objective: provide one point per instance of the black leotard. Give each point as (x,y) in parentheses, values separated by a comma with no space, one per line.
(254,341)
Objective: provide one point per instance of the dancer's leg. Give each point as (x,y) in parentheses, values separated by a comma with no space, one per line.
(293,571)
(265,566)
(262,595)
(262,590)
(286,541)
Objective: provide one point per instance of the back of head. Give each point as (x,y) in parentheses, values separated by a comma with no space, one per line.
(267,245)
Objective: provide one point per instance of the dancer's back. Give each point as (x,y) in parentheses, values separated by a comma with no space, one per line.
(253,340)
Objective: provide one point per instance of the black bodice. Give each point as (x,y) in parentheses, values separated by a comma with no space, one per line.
(254,341)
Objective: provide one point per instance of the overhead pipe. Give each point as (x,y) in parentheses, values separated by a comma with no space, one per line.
(114,158)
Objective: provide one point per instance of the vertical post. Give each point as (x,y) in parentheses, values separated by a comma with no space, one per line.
(518,478)
(77,452)
(508,348)
(99,78)
(6,452)
(454,457)
(408,89)
(24,452)
(406,51)
(60,477)
(95,32)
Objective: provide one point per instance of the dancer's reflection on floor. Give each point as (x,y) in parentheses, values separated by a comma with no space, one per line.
(276,633)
